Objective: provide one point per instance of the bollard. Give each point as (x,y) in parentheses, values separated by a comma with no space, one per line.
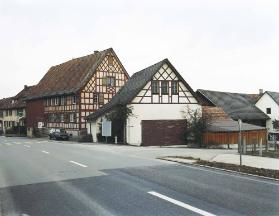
(115,139)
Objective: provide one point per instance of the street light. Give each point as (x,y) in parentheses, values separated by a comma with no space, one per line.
(240,141)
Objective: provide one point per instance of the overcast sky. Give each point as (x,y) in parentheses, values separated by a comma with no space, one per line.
(224,45)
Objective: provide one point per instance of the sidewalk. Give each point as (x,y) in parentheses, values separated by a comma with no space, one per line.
(253,161)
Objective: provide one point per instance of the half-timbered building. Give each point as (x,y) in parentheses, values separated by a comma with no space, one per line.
(13,110)
(158,95)
(72,90)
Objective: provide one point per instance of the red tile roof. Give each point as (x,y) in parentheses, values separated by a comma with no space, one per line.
(68,77)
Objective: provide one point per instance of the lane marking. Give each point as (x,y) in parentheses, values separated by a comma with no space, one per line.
(28,146)
(181,204)
(228,174)
(79,164)
(45,152)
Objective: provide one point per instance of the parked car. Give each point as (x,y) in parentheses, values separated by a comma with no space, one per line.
(58,134)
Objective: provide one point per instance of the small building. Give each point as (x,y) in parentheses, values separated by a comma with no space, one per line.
(72,90)
(224,109)
(235,106)
(268,103)
(158,95)
(12,110)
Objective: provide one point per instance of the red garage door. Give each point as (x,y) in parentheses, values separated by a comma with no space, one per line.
(162,132)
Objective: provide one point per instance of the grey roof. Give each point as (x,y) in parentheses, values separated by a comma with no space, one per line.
(133,86)
(236,105)
(231,126)
(274,95)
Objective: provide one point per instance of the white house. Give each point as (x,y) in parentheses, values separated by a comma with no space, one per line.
(269,104)
(158,96)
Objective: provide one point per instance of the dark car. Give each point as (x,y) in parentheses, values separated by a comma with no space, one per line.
(58,134)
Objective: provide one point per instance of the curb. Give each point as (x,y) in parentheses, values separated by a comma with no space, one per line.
(216,168)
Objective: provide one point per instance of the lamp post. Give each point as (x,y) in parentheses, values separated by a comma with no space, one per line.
(240,141)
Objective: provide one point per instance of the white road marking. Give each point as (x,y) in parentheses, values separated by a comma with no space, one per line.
(229,174)
(45,152)
(82,165)
(181,204)
(8,144)
(28,146)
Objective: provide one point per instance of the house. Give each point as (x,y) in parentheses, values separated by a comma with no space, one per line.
(12,110)
(72,90)
(268,103)
(157,95)
(224,109)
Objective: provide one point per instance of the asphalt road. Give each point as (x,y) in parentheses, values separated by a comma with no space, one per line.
(49,178)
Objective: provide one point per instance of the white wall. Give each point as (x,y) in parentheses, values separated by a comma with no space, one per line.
(153,112)
(267,102)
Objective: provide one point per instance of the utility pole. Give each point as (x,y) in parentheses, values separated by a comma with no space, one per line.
(240,141)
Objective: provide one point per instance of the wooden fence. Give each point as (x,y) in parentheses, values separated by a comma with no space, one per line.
(220,138)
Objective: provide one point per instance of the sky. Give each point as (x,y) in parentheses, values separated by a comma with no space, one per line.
(223,45)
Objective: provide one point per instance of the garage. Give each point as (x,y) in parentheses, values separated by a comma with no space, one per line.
(162,132)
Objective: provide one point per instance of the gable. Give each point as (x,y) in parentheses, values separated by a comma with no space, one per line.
(168,77)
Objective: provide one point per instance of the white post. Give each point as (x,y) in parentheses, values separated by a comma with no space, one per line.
(244,145)
(240,141)
(261,148)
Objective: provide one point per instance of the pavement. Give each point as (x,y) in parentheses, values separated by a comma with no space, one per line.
(48,178)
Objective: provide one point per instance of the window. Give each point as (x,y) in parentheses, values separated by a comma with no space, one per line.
(74,99)
(62,117)
(20,112)
(155,87)
(268,110)
(110,81)
(62,101)
(95,98)
(56,101)
(165,88)
(52,117)
(101,98)
(72,117)
(174,87)
(10,112)
(52,101)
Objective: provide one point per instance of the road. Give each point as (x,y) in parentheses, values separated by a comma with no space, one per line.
(49,178)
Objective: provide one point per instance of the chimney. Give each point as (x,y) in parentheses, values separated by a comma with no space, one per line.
(261,91)
(96,51)
(25,86)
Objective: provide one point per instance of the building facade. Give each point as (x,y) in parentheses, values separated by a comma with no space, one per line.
(72,90)
(13,110)
(268,103)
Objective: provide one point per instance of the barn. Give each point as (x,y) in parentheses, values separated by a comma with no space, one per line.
(157,95)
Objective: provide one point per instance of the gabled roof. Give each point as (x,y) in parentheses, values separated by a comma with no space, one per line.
(17,101)
(237,106)
(274,96)
(231,126)
(69,77)
(134,85)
